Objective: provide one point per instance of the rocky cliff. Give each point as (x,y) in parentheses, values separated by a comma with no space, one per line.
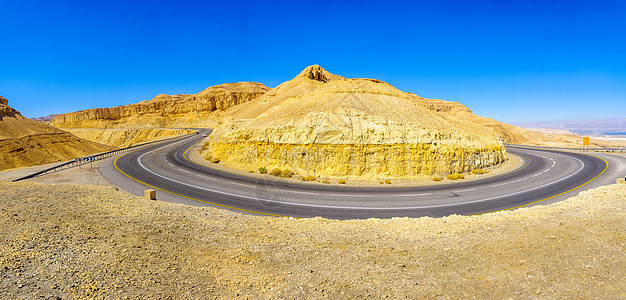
(165,110)
(24,142)
(350,127)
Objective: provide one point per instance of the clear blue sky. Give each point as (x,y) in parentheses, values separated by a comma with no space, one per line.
(515,61)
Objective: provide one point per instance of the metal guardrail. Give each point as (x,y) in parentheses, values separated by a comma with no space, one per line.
(571,149)
(89,159)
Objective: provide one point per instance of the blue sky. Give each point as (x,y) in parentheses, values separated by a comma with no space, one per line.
(515,61)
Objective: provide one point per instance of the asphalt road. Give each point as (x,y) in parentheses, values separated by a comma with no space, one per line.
(546,176)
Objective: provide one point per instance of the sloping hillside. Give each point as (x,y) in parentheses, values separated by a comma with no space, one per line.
(24,142)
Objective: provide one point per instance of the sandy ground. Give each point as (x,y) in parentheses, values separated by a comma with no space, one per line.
(86,174)
(513,163)
(75,241)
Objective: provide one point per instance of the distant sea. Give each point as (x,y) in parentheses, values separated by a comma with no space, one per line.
(600,133)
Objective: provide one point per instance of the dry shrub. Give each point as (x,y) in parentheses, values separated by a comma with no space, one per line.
(388,181)
(286,173)
(436,178)
(215,160)
(208,157)
(455,176)
(479,171)
(341,181)
(276,172)
(308,178)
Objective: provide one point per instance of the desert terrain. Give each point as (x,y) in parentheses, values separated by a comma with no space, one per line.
(85,241)
(74,235)
(24,142)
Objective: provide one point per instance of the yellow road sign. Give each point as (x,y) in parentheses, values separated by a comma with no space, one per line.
(585,141)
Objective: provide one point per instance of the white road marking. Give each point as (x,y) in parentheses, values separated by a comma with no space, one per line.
(582,166)
(355,195)
(495,185)
(413,195)
(461,191)
(308,193)
(237,183)
(518,180)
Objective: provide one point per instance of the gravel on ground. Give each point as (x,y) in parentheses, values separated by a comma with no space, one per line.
(78,241)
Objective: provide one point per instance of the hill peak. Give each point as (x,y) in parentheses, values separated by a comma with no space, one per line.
(318,73)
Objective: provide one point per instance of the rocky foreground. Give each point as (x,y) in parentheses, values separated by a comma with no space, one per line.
(73,241)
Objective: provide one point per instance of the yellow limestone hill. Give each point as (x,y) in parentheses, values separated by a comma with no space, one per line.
(158,118)
(24,142)
(350,127)
(165,110)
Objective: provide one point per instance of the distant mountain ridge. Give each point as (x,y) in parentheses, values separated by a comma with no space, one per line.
(599,125)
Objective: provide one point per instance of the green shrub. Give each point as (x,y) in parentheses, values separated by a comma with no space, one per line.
(263,170)
(341,181)
(436,178)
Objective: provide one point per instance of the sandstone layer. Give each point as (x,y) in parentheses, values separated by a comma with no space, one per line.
(195,110)
(24,142)
(350,127)
(77,242)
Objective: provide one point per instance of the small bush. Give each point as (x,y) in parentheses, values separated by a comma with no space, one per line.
(436,178)
(381,182)
(388,181)
(263,170)
(250,171)
(206,145)
(455,176)
(215,160)
(479,171)
(325,181)
(286,173)
(208,157)
(308,178)
(276,172)
(341,181)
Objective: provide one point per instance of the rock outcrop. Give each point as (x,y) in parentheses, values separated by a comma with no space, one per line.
(24,142)
(165,110)
(350,127)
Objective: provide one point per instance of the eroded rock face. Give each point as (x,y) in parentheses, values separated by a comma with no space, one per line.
(350,127)
(164,110)
(5,108)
